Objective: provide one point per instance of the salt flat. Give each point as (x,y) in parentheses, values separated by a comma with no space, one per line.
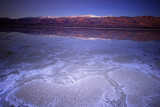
(38,70)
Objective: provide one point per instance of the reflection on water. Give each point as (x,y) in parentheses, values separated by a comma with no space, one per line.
(89,33)
(71,67)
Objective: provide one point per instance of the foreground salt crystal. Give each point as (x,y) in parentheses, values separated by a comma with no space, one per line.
(89,91)
(137,85)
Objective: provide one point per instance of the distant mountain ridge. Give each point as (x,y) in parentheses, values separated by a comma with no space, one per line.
(86,21)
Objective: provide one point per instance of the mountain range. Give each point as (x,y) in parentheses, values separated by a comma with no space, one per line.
(86,21)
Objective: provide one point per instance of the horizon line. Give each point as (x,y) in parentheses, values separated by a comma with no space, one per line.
(89,15)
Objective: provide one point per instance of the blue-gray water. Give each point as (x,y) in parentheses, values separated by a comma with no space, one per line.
(79,67)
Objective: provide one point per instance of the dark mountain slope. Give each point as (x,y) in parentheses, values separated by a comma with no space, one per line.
(103,22)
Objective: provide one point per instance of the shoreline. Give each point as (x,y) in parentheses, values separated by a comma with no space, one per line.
(103,28)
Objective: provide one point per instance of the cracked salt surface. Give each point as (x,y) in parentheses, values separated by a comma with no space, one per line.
(86,91)
(57,71)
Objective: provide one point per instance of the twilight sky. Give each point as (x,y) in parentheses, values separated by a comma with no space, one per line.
(27,8)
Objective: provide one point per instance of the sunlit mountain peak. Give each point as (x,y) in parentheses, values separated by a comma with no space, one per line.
(88,16)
